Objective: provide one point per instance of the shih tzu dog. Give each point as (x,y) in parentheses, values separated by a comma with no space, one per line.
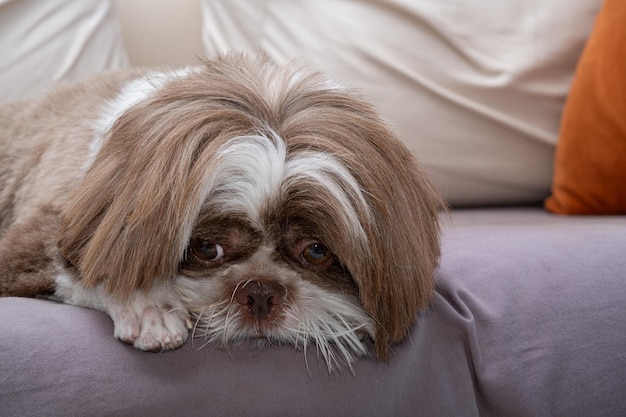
(239,199)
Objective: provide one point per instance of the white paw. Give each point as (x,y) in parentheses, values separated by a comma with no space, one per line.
(153,321)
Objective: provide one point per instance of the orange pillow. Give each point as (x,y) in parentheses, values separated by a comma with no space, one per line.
(590,161)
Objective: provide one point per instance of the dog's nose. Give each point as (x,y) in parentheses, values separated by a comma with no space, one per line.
(260,297)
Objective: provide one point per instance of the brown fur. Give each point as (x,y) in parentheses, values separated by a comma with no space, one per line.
(36,175)
(146,183)
(28,252)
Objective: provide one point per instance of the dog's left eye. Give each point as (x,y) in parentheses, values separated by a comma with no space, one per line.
(206,251)
(317,255)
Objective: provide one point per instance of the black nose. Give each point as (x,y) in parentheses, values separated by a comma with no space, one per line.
(260,298)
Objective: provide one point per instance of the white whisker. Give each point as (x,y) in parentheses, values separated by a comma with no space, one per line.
(335,323)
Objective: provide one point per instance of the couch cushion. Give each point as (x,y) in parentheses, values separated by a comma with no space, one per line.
(590,163)
(475,88)
(528,319)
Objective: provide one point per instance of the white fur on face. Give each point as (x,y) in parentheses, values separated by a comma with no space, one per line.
(249,172)
(334,322)
(253,171)
(252,174)
(327,171)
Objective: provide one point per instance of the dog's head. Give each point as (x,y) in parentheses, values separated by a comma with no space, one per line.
(277,203)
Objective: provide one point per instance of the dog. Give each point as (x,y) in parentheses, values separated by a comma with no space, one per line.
(238,200)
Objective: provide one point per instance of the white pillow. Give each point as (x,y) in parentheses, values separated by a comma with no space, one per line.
(55,40)
(475,88)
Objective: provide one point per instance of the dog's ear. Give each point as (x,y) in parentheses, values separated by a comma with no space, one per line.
(399,280)
(129,222)
(394,265)
(123,224)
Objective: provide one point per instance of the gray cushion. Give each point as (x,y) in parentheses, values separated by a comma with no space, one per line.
(529,319)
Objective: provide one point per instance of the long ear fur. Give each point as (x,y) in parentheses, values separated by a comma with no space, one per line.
(406,242)
(407,250)
(129,222)
(395,272)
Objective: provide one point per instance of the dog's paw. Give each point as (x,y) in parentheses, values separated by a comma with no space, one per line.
(152,321)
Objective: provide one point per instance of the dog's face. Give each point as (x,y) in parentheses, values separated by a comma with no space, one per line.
(274,286)
(276,203)
(267,258)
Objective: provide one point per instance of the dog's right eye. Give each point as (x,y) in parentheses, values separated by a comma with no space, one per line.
(206,251)
(315,255)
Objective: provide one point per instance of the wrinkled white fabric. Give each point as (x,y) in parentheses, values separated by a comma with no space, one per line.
(43,41)
(475,88)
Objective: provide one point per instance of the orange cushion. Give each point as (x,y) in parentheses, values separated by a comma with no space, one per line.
(590,161)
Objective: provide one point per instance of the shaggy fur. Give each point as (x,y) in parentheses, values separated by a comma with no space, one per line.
(250,200)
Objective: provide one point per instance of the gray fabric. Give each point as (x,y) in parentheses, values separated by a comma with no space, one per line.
(529,319)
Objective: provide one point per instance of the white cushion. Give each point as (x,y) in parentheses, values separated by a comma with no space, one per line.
(475,88)
(55,40)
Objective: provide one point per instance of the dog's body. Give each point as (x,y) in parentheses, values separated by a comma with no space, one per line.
(247,200)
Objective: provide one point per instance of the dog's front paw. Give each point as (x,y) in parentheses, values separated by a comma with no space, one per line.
(151,321)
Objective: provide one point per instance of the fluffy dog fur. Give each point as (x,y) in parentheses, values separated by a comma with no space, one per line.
(239,198)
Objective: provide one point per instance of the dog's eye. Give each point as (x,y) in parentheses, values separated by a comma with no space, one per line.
(206,251)
(317,255)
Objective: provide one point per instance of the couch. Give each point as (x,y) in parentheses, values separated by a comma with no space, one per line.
(517,111)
